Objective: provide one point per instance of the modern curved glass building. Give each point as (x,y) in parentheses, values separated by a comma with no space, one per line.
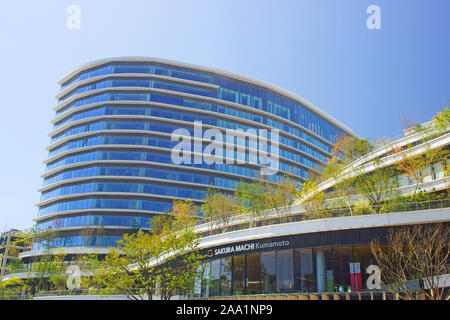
(110,166)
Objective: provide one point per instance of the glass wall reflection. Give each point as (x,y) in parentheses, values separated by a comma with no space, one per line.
(268,272)
(326,269)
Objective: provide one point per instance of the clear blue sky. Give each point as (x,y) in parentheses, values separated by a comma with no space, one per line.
(318,49)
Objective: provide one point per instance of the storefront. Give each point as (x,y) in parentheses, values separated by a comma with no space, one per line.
(334,261)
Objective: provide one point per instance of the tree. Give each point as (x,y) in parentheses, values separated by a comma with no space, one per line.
(40,271)
(442,120)
(377,186)
(179,267)
(12,288)
(420,253)
(279,196)
(414,165)
(125,271)
(311,199)
(251,199)
(184,214)
(25,238)
(43,265)
(89,264)
(347,149)
(57,275)
(343,184)
(219,208)
(163,262)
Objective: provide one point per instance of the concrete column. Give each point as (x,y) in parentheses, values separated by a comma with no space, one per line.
(320,272)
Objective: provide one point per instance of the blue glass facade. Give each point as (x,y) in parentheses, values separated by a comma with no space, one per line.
(109,161)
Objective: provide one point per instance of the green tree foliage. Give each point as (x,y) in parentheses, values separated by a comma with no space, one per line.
(414,165)
(279,196)
(184,214)
(219,208)
(180,268)
(442,120)
(44,265)
(377,186)
(25,238)
(125,269)
(251,198)
(348,148)
(57,275)
(161,263)
(312,200)
(12,288)
(88,264)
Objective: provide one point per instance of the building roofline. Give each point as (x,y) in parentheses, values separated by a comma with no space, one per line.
(228,74)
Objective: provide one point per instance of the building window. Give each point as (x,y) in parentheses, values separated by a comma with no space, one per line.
(268,272)
(226,266)
(239,275)
(214,285)
(342,257)
(303,271)
(253,274)
(285,264)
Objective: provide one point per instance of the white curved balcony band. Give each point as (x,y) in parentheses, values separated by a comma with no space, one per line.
(235,76)
(122,195)
(67,250)
(403,141)
(96,210)
(91,227)
(127,178)
(435,185)
(143,163)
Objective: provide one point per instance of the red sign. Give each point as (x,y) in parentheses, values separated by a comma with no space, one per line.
(355,276)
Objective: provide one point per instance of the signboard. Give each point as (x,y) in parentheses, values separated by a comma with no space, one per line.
(242,248)
(355,276)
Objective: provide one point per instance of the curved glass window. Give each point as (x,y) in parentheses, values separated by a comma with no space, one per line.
(95,220)
(98,71)
(151,97)
(159,127)
(166,158)
(143,188)
(142,172)
(162,143)
(77,241)
(143,83)
(95,203)
(231,90)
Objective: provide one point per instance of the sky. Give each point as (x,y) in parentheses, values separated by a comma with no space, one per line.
(322,50)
